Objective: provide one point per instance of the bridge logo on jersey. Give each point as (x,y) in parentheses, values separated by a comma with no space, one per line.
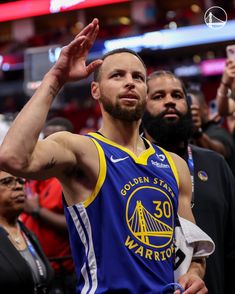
(149,216)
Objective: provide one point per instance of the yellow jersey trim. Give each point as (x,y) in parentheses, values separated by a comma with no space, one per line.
(172,164)
(141,159)
(101,177)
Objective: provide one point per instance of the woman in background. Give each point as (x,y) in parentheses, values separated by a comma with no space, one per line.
(23,266)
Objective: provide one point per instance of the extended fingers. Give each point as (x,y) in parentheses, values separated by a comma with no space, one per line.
(89,33)
(92,34)
(89,28)
(93,65)
(83,41)
(75,45)
(90,38)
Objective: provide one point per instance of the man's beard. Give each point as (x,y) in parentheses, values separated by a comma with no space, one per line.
(168,133)
(127,114)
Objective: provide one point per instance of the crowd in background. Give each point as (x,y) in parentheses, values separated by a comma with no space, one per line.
(212,129)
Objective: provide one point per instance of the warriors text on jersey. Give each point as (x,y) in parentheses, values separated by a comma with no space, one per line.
(123,235)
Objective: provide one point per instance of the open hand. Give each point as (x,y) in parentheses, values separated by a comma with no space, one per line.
(71,64)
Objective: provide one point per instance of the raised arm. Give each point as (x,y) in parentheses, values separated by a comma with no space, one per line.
(224,102)
(21,152)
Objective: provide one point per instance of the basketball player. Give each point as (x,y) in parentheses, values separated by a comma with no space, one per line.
(122,194)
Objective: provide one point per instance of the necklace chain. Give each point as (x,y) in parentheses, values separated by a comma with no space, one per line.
(17,240)
(15,237)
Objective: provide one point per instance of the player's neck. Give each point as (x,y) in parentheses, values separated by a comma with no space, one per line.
(126,136)
(116,129)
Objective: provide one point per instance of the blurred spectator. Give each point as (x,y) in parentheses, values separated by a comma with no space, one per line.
(226,91)
(208,133)
(23,265)
(83,113)
(45,216)
(57,124)
(168,122)
(8,104)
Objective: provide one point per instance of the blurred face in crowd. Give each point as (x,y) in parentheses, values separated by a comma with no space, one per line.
(122,88)
(49,130)
(203,107)
(12,195)
(167,118)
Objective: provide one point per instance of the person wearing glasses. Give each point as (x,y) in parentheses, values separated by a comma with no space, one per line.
(24,268)
(44,215)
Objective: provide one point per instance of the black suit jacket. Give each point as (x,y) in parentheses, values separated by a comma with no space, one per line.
(15,274)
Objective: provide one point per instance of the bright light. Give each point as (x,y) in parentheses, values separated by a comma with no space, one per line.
(180,37)
(5,66)
(148,40)
(33,85)
(172,25)
(54,54)
(212,67)
(56,5)
(195,8)
(124,20)
(186,71)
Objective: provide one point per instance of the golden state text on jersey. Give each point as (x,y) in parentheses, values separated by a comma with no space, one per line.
(123,235)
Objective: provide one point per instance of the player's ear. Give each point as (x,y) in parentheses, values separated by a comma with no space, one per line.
(95,90)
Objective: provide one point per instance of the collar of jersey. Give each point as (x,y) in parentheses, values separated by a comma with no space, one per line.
(142,159)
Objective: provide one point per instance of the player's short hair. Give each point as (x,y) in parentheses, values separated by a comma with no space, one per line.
(116,51)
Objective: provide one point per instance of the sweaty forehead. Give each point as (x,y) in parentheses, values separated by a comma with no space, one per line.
(122,61)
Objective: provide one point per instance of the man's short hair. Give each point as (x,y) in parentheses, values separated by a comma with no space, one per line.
(160,73)
(62,122)
(116,51)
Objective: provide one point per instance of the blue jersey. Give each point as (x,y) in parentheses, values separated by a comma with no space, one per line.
(123,235)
